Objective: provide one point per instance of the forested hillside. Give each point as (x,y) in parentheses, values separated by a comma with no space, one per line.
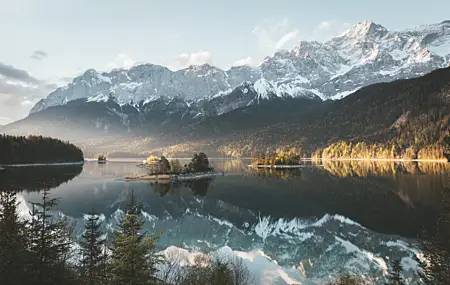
(37,149)
(409,116)
(401,119)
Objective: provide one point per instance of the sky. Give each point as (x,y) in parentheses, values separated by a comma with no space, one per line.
(45,43)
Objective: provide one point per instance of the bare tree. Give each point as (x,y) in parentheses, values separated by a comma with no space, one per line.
(174,269)
(215,269)
(348,279)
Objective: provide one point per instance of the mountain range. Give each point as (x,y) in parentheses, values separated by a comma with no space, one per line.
(366,54)
(151,107)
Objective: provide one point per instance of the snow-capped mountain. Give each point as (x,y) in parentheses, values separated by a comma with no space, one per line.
(366,54)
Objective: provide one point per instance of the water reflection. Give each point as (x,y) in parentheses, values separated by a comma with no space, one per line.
(306,217)
(199,187)
(388,197)
(37,178)
(281,174)
(381,168)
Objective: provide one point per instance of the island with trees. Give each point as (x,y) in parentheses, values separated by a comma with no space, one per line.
(37,150)
(101,158)
(163,169)
(280,158)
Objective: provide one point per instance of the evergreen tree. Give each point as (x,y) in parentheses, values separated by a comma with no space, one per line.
(200,162)
(50,245)
(92,252)
(13,241)
(37,149)
(164,165)
(133,259)
(104,265)
(435,246)
(395,275)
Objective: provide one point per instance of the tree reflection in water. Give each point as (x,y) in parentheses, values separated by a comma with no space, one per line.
(365,168)
(37,178)
(198,187)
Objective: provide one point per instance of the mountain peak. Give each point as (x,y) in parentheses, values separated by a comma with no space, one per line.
(366,28)
(366,54)
(204,66)
(90,72)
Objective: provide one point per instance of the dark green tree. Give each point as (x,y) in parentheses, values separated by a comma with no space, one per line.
(133,259)
(37,149)
(13,241)
(50,245)
(200,162)
(435,245)
(395,275)
(92,252)
(164,165)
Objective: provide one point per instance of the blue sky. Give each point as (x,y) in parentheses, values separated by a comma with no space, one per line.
(53,40)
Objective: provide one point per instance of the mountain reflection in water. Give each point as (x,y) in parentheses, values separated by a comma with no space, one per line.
(388,197)
(309,217)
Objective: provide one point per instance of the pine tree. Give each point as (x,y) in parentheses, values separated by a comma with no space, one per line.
(105,266)
(92,252)
(164,165)
(50,245)
(13,241)
(395,275)
(435,246)
(133,259)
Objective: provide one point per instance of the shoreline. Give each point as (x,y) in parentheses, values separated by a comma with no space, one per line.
(279,166)
(42,164)
(173,177)
(376,159)
(346,159)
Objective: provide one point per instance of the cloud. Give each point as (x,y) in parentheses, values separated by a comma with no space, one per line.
(39,54)
(13,73)
(245,61)
(273,35)
(187,59)
(19,91)
(122,60)
(286,38)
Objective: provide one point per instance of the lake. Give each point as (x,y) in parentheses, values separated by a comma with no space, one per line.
(290,226)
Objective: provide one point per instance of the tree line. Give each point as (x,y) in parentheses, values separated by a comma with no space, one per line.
(354,150)
(363,150)
(37,149)
(411,115)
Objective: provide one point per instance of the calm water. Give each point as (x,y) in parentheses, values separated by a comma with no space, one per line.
(289,226)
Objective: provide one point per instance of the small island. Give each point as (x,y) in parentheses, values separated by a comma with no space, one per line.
(101,158)
(37,150)
(277,159)
(161,169)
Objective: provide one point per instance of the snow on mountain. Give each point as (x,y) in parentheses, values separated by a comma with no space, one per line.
(368,53)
